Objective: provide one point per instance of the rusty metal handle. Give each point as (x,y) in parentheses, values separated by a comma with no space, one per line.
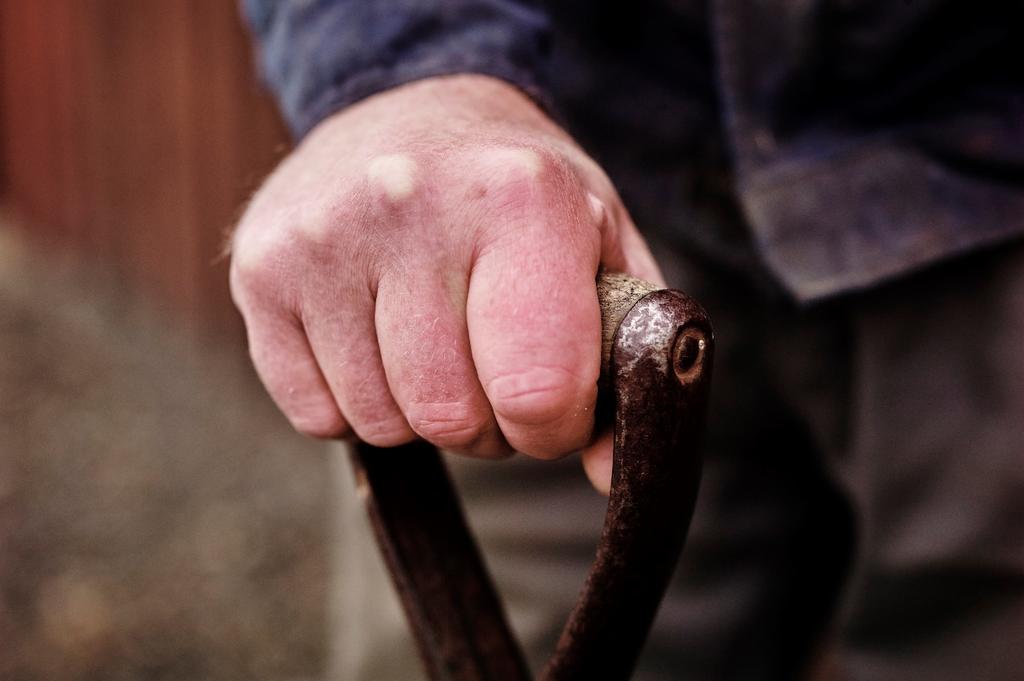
(656,373)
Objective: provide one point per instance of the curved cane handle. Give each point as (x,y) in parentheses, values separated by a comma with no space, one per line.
(656,371)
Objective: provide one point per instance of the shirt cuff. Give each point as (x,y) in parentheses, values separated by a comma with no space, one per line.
(337,96)
(319,56)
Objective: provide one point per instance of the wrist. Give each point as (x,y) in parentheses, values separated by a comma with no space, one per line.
(463,105)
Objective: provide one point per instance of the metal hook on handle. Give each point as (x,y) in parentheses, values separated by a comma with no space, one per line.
(657,354)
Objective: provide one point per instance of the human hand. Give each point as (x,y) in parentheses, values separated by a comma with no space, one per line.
(423,265)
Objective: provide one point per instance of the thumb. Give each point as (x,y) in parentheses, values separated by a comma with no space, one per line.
(597,461)
(624,250)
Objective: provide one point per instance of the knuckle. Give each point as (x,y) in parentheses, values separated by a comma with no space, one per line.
(301,224)
(259,263)
(511,178)
(387,431)
(323,423)
(394,179)
(515,160)
(280,263)
(538,396)
(446,424)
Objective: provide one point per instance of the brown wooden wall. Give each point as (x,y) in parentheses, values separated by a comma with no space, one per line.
(131,131)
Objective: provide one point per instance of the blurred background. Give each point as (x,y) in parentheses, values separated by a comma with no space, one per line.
(158,518)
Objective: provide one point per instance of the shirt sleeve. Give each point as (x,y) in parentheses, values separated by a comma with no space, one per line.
(319,56)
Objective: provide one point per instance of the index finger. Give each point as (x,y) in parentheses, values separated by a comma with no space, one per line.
(532,311)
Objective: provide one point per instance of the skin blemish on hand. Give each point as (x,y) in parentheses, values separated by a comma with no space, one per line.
(394,174)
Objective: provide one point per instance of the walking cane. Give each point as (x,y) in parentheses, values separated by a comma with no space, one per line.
(657,348)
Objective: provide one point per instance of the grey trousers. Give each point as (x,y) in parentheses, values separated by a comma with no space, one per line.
(861,514)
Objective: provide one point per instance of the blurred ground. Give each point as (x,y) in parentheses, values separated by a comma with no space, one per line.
(158,518)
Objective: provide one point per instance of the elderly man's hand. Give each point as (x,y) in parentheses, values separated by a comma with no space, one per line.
(423,266)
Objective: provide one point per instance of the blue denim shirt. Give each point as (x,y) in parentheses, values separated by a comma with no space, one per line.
(833,144)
